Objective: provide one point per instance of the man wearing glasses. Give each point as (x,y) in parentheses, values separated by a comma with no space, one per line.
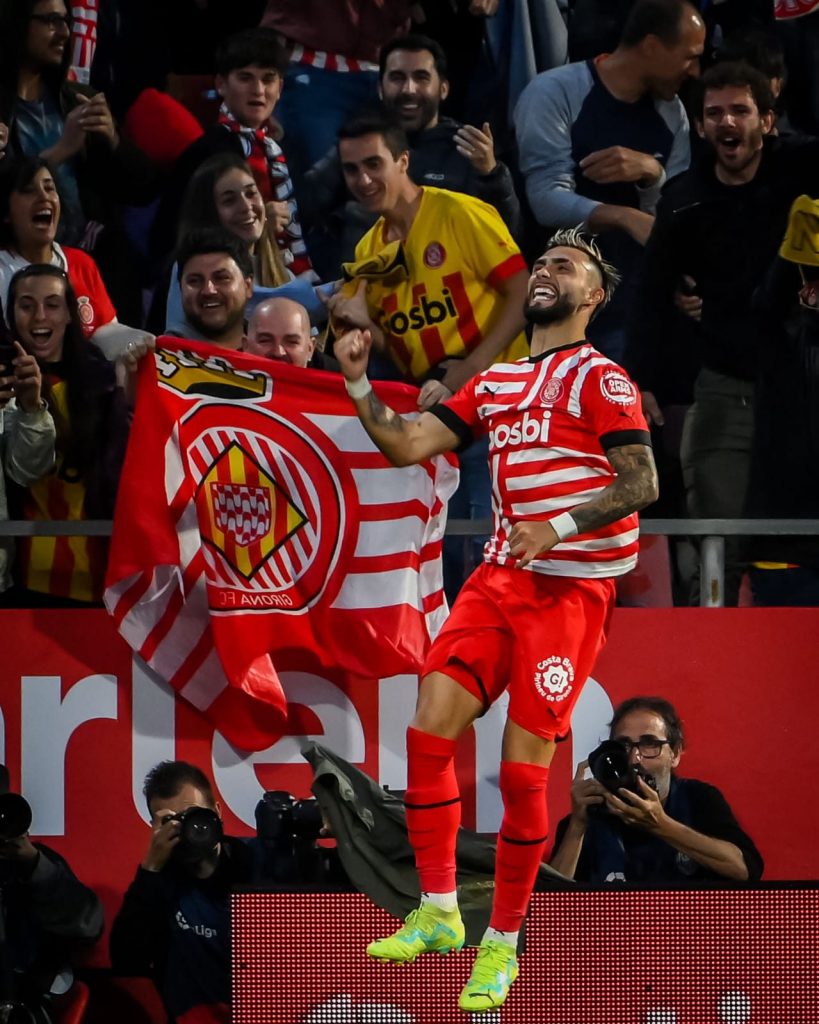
(681,831)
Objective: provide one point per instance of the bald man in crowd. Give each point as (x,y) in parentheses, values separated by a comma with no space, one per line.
(280,329)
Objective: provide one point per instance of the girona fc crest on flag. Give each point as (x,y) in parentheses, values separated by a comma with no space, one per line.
(242,513)
(245,521)
(255,520)
(271,509)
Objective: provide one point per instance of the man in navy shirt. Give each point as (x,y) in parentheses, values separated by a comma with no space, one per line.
(676,830)
(174,924)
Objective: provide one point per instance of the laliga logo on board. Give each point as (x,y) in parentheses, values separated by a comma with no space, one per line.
(554,678)
(616,387)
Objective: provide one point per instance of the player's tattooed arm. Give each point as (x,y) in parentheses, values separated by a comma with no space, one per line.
(382,416)
(634,487)
(404,441)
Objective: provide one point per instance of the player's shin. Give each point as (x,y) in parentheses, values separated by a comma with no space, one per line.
(433,805)
(521,841)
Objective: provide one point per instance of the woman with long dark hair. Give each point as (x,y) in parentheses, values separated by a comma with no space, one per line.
(30,215)
(90,413)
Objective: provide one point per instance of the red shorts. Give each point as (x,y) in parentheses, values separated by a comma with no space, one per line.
(538,635)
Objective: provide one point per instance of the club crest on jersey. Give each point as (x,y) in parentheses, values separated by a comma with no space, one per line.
(434,255)
(85,309)
(554,678)
(552,391)
(616,387)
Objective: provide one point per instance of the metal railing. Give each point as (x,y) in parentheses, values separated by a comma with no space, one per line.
(712,531)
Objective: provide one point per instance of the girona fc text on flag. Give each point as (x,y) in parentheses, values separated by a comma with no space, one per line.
(255,518)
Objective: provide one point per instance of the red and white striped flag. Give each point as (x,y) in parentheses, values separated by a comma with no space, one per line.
(83,38)
(255,518)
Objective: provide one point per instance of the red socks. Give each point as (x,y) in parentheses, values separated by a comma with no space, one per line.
(433,804)
(521,841)
(433,807)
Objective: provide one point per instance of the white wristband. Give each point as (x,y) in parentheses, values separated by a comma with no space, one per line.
(358,388)
(564,526)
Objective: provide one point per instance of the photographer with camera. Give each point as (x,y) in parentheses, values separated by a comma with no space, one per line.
(174,924)
(635,820)
(45,913)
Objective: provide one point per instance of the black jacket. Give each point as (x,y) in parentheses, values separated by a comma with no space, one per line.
(784,480)
(724,237)
(435,161)
(369,826)
(48,913)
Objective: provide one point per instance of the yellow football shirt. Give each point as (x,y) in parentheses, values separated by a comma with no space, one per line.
(457,253)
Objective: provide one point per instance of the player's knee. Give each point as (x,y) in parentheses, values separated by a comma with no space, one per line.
(444,707)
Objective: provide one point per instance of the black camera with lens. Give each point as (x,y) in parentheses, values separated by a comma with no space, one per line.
(290,829)
(200,833)
(610,765)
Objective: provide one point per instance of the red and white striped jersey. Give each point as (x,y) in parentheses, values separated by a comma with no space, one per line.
(550,420)
(329,61)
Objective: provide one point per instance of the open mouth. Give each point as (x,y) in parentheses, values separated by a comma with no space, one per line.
(43,218)
(729,142)
(40,339)
(544,294)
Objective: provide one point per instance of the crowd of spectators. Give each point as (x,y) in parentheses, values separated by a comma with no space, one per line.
(237,147)
(280,170)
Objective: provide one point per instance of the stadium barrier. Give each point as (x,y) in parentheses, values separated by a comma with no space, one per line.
(712,531)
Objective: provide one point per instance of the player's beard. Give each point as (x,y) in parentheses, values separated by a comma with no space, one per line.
(542,316)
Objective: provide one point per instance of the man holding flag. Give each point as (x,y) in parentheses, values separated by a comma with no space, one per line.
(571,464)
